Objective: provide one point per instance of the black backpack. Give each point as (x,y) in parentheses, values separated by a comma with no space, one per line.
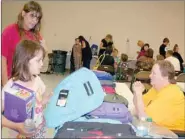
(85,130)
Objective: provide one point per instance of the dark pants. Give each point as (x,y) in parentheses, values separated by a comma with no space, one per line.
(86,63)
(72,66)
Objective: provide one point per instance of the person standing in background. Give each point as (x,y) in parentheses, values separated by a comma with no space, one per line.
(163,47)
(106,42)
(27,27)
(178,56)
(76,56)
(86,52)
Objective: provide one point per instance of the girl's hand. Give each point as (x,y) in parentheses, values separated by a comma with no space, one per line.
(20,128)
(46,98)
(42,42)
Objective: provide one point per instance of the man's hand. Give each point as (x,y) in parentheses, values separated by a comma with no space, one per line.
(138,88)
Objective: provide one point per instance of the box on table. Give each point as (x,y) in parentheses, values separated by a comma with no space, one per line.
(19,103)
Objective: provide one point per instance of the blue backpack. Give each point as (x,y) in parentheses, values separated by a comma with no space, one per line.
(102,75)
(78,94)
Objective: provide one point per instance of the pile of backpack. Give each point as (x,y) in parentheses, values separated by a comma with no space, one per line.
(114,106)
(85,105)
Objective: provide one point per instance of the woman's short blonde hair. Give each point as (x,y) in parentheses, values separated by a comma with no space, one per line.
(109,36)
(140,42)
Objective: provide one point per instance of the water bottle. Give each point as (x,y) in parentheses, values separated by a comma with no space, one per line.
(142,128)
(149,121)
(29,125)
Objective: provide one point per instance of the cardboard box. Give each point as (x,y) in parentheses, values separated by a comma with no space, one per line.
(19,103)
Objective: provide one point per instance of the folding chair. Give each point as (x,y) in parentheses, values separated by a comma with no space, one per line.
(181,77)
(142,76)
(128,74)
(178,73)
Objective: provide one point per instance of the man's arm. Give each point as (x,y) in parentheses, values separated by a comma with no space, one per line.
(140,108)
(138,88)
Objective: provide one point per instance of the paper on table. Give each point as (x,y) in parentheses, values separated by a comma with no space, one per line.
(123,90)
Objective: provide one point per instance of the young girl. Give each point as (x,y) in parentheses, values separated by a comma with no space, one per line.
(123,64)
(27,62)
(116,58)
(145,49)
(76,56)
(122,69)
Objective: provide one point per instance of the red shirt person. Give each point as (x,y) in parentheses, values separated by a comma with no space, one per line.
(143,52)
(27,27)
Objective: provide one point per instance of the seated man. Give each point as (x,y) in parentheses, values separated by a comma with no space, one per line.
(164,102)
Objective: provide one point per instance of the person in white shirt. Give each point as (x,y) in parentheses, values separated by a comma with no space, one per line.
(173,60)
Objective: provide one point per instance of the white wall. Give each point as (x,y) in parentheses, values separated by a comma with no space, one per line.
(150,21)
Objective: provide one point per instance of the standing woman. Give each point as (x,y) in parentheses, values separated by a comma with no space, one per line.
(106,42)
(86,52)
(28,26)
